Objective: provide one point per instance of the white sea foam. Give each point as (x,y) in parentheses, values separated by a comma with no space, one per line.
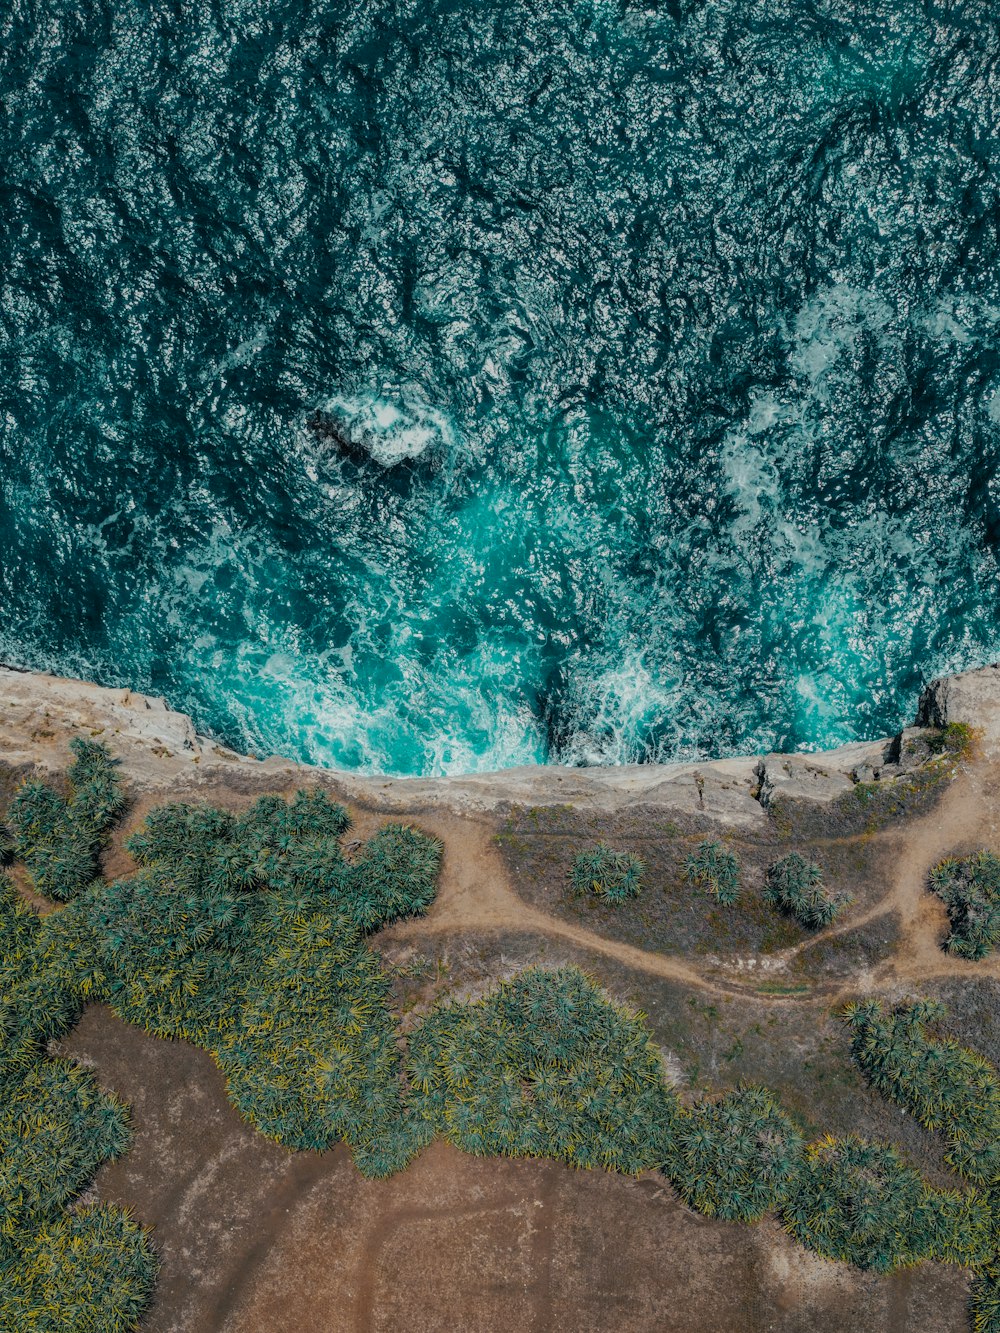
(393,427)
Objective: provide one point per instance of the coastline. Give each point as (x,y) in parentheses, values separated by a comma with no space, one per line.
(160,748)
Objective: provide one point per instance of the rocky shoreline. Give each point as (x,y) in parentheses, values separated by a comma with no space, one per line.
(160,748)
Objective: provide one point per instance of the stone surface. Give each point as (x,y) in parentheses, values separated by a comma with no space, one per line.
(971,698)
(39,713)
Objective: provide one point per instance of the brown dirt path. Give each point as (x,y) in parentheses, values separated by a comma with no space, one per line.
(475,894)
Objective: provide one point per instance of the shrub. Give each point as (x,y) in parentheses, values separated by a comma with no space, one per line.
(60,840)
(970,889)
(56,1128)
(246,935)
(859,1202)
(716,869)
(947,1087)
(546,1065)
(613,876)
(795,886)
(90,1270)
(395,876)
(984,1304)
(735,1158)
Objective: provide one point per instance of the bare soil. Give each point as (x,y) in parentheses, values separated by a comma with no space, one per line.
(256,1239)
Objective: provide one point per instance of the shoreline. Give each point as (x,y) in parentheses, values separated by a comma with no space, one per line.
(160,746)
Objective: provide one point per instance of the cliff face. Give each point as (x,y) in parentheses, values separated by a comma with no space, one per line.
(161,750)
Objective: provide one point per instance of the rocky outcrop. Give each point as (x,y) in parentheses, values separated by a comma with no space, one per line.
(824,776)
(972,699)
(162,750)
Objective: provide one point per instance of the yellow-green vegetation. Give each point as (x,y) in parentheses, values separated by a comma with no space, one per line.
(795,886)
(544,1066)
(613,876)
(247,935)
(716,869)
(859,1202)
(59,840)
(949,1089)
(92,1268)
(969,887)
(736,1158)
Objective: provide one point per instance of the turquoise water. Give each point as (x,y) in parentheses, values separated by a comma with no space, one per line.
(428,387)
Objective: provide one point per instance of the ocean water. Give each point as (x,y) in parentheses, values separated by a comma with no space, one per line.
(431,386)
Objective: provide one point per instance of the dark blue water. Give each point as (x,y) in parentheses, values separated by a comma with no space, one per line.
(437,386)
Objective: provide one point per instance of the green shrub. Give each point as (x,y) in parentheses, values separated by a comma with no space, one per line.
(735,1158)
(37,1002)
(56,1128)
(246,935)
(948,1088)
(613,876)
(60,840)
(716,869)
(970,889)
(395,876)
(984,1304)
(92,1271)
(795,886)
(546,1065)
(860,1203)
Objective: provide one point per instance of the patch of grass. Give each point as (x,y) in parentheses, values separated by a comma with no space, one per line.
(795,886)
(951,1090)
(716,869)
(92,1269)
(969,887)
(610,875)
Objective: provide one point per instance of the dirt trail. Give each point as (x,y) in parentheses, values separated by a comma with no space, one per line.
(966,817)
(475,895)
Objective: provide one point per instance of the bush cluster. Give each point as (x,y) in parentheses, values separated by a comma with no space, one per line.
(970,889)
(58,1270)
(951,1090)
(59,840)
(716,869)
(859,1202)
(795,886)
(735,1158)
(247,935)
(544,1066)
(613,876)
(948,1088)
